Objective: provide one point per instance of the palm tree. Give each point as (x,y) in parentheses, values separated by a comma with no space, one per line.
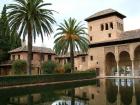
(30,19)
(71,36)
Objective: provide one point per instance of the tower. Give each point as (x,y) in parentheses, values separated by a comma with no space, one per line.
(105,25)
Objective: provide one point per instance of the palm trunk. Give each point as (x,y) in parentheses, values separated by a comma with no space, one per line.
(29,64)
(72,57)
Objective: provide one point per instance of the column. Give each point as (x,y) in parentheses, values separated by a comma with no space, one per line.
(133,73)
(118,95)
(117,67)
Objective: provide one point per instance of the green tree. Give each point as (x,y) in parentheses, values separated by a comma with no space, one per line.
(48,67)
(67,67)
(30,18)
(8,40)
(71,36)
(19,66)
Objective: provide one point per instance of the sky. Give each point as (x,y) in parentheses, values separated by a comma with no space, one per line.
(81,9)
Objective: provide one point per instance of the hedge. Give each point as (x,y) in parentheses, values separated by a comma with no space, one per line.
(19,80)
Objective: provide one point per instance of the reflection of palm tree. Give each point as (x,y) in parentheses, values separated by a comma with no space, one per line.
(70,37)
(29,18)
(73,96)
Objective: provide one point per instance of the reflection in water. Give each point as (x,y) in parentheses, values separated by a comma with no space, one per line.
(104,92)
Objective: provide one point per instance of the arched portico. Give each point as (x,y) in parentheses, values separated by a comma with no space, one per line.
(125,64)
(137,60)
(110,64)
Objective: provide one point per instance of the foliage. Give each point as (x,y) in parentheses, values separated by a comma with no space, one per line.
(67,67)
(19,66)
(48,67)
(70,36)
(8,40)
(30,79)
(59,68)
(31,18)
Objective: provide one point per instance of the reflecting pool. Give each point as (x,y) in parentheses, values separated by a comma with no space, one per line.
(96,92)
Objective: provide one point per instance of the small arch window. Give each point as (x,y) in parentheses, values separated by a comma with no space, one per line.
(102,27)
(109,35)
(90,28)
(91,58)
(106,26)
(90,38)
(111,25)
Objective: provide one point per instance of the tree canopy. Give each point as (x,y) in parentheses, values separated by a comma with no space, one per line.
(30,18)
(71,36)
(8,40)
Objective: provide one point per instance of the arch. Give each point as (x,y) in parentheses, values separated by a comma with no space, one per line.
(111,91)
(125,63)
(110,63)
(102,27)
(137,58)
(106,26)
(111,25)
(126,93)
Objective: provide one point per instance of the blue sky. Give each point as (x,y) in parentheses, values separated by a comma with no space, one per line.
(80,9)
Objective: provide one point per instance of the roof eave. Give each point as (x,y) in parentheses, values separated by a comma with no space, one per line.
(105,15)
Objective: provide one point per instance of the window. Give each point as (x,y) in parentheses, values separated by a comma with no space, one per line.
(111,25)
(49,57)
(117,25)
(91,58)
(18,56)
(106,26)
(92,96)
(83,59)
(122,27)
(102,27)
(90,38)
(13,57)
(90,28)
(97,62)
(109,35)
(84,94)
(42,57)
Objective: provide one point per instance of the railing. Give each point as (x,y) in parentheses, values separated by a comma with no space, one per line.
(33,79)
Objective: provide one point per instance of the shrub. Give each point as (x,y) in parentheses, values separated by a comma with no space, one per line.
(19,67)
(48,67)
(67,68)
(59,69)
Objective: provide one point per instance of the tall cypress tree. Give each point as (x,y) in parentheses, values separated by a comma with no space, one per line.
(8,40)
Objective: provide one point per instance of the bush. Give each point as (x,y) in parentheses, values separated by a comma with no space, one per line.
(19,67)
(48,67)
(59,69)
(67,68)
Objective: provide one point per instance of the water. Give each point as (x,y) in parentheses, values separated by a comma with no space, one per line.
(99,92)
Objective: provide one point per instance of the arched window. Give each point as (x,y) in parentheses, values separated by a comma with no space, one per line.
(90,38)
(102,27)
(106,26)
(90,28)
(111,25)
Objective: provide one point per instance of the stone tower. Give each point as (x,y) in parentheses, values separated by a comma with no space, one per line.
(105,25)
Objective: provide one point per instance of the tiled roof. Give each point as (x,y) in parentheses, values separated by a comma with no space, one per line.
(34,49)
(104,13)
(68,54)
(127,35)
